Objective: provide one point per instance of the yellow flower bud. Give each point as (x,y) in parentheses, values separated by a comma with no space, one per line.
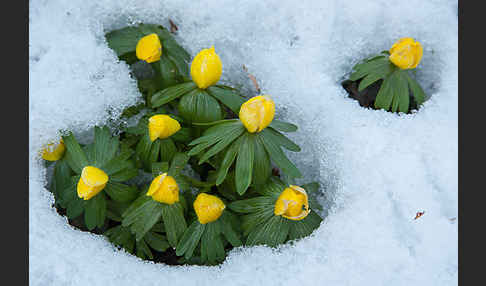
(208,208)
(162,126)
(92,181)
(164,189)
(54,152)
(257,113)
(149,48)
(292,203)
(406,53)
(206,68)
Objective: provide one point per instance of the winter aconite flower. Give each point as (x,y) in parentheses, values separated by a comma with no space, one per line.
(208,208)
(164,189)
(257,113)
(206,68)
(406,53)
(149,48)
(92,181)
(162,126)
(292,203)
(54,152)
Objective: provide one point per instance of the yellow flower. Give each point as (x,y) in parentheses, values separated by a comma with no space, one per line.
(406,53)
(92,181)
(149,48)
(257,113)
(162,126)
(208,208)
(292,203)
(206,68)
(164,189)
(54,152)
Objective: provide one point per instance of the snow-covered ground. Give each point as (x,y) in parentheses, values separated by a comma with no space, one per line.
(378,169)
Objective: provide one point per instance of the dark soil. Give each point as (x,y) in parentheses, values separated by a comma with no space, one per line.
(366,97)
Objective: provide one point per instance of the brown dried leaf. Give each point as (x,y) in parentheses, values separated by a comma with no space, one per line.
(173,27)
(253,79)
(419,214)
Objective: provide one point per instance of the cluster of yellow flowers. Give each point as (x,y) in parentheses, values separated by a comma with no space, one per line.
(255,114)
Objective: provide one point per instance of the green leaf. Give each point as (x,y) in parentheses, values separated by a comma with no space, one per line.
(228,96)
(403,95)
(252,220)
(179,63)
(105,146)
(399,88)
(281,140)
(121,236)
(216,133)
(376,74)
(167,149)
(159,168)
(218,147)
(156,241)
(212,248)
(228,160)
(119,162)
(228,231)
(69,192)
(278,156)
(252,205)
(174,222)
(168,71)
(143,250)
(273,188)
(95,211)
(124,175)
(305,227)
(74,208)
(207,124)
(271,233)
(372,66)
(190,239)
(262,168)
(244,163)
(121,192)
(74,154)
(369,79)
(417,91)
(283,126)
(199,106)
(62,177)
(183,135)
(167,95)
(178,163)
(124,40)
(141,216)
(384,97)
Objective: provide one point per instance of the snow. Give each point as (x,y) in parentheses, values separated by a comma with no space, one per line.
(378,169)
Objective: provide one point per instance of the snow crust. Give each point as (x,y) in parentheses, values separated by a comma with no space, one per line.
(377,169)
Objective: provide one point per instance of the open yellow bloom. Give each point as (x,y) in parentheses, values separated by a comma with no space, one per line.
(208,208)
(149,48)
(92,181)
(162,126)
(257,113)
(206,68)
(406,53)
(54,152)
(164,189)
(292,203)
